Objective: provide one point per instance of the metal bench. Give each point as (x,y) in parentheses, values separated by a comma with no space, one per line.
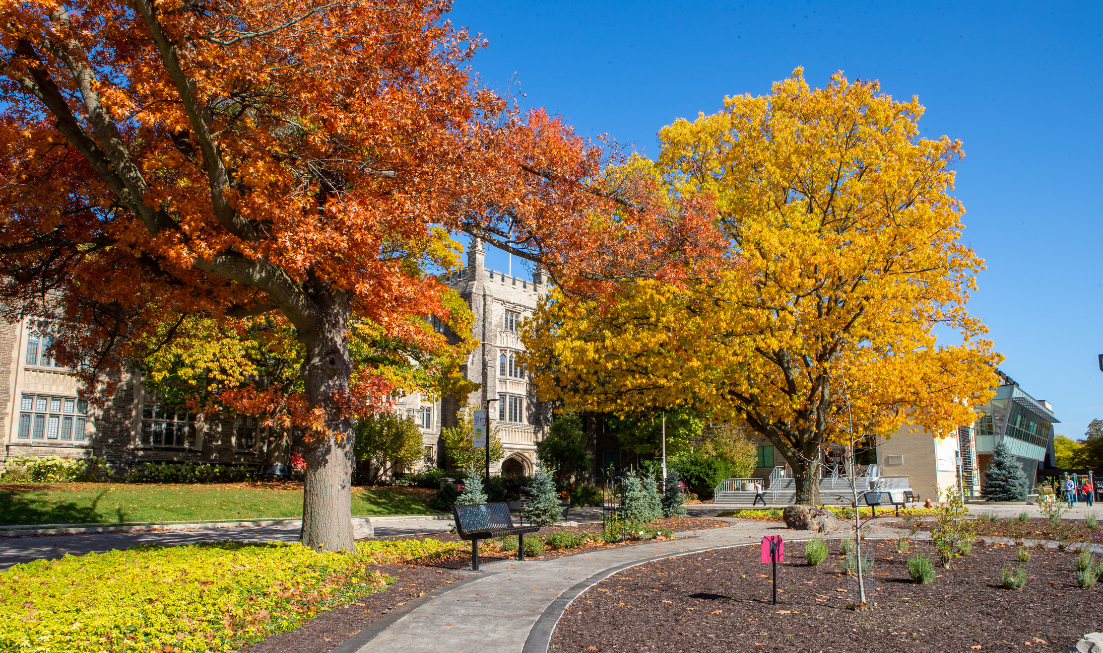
(874,499)
(482,521)
(910,497)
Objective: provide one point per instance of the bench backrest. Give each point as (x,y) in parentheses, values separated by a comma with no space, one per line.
(480,517)
(874,498)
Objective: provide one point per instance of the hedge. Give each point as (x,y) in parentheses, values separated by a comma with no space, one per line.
(203,597)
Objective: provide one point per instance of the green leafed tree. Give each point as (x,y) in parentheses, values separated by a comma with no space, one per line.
(1005,480)
(459,444)
(1066,450)
(643,433)
(384,443)
(564,448)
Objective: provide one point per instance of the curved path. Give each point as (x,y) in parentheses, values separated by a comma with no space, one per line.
(513,606)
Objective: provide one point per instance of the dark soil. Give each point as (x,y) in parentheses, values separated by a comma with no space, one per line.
(330,629)
(1066,530)
(720,601)
(462,560)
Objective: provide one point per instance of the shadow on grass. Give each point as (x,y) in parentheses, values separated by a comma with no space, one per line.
(23,506)
(387,501)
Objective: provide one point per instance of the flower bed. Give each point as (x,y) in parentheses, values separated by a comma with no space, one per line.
(774,514)
(720,601)
(206,597)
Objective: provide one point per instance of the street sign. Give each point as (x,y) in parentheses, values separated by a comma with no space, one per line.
(773,552)
(768,551)
(480,428)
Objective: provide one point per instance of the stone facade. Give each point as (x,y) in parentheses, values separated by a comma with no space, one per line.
(500,303)
(42,415)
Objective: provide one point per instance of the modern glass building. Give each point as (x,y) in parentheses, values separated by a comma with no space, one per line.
(1013,416)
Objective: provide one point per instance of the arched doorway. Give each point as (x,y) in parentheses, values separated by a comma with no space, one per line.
(513,466)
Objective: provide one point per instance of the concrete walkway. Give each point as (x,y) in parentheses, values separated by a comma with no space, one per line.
(14,550)
(513,606)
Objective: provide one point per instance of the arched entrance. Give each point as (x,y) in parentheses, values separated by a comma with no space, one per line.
(513,466)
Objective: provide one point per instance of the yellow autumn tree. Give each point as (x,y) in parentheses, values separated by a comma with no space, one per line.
(843,258)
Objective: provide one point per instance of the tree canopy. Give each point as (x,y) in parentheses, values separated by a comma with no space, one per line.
(230,160)
(843,256)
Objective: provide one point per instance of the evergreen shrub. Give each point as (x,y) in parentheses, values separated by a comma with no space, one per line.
(473,492)
(921,569)
(543,507)
(815,551)
(673,499)
(1013,579)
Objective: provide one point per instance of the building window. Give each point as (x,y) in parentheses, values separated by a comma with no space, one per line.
(511,408)
(167,426)
(245,433)
(510,365)
(765,456)
(511,320)
(37,354)
(52,418)
(503,364)
(429,459)
(425,417)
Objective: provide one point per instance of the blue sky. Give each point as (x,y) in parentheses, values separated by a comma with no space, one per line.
(1021,84)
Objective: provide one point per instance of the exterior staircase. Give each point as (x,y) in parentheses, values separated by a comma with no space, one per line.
(833,491)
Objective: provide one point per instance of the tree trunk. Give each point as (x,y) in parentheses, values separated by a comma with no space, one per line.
(806,472)
(327,490)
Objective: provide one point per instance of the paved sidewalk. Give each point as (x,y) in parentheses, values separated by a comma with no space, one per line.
(14,550)
(497,611)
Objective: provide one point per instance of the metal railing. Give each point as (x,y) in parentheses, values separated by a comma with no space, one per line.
(732,485)
(775,486)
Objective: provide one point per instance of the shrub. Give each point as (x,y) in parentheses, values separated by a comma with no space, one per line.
(1024,517)
(852,563)
(543,508)
(845,545)
(472,488)
(185,473)
(815,551)
(534,546)
(673,499)
(1050,505)
(1085,560)
(986,518)
(964,548)
(384,442)
(902,545)
(921,569)
(444,499)
(1023,554)
(429,478)
(774,513)
(641,500)
(564,446)
(1013,579)
(582,494)
(702,474)
(1091,521)
(951,529)
(508,543)
(52,469)
(566,540)
(1085,578)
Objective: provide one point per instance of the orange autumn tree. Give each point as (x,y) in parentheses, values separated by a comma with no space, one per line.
(228,160)
(844,258)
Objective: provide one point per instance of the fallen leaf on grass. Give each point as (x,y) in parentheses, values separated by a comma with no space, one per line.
(665,601)
(1040,641)
(787,612)
(977,647)
(716,612)
(591,648)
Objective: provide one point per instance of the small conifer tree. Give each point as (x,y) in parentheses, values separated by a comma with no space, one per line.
(641,499)
(543,507)
(472,488)
(1005,480)
(673,499)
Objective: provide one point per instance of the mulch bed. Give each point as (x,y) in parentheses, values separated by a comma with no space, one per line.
(330,629)
(462,560)
(1066,530)
(720,601)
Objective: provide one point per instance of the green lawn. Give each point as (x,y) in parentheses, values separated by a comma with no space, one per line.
(85,503)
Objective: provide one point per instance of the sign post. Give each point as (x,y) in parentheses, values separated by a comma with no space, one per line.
(480,437)
(773,551)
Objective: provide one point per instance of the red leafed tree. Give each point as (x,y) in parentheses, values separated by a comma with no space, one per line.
(232,159)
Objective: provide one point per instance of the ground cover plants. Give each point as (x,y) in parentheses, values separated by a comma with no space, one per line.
(720,601)
(774,514)
(89,503)
(205,597)
(1031,528)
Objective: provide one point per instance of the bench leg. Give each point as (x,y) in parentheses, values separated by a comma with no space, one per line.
(520,546)
(874,509)
(474,555)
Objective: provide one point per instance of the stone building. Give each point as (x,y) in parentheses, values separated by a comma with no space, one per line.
(500,303)
(41,415)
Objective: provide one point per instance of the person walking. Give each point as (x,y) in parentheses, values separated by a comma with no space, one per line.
(1070,491)
(1089,492)
(758,496)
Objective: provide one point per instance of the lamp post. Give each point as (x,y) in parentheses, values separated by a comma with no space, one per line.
(664,451)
